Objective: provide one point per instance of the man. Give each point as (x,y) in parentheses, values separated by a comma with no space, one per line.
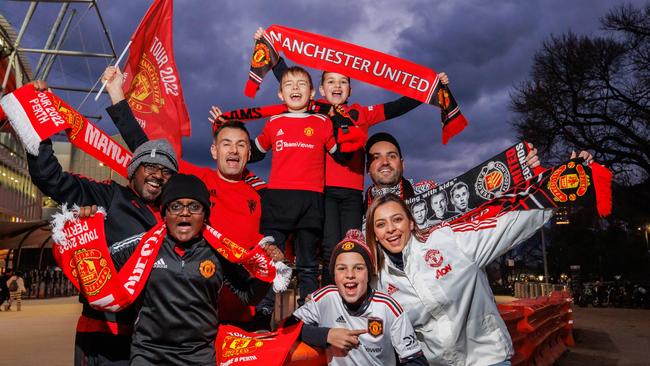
(104,338)
(385,166)
(439,206)
(419,210)
(234,191)
(460,198)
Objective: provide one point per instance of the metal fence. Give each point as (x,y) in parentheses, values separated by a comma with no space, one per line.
(531,290)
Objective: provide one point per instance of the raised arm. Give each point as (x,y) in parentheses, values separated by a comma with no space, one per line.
(120,112)
(48,175)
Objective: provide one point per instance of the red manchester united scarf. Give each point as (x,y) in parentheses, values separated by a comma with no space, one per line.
(37,115)
(82,253)
(376,68)
(505,183)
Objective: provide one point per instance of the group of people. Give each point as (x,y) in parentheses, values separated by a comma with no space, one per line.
(12,288)
(384,298)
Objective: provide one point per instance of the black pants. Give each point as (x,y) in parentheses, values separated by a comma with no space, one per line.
(101,349)
(343,211)
(297,212)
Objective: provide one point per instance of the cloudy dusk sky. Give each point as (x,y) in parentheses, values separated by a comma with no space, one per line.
(486,48)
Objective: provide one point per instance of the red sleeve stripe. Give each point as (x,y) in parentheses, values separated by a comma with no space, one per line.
(385,302)
(389,298)
(318,294)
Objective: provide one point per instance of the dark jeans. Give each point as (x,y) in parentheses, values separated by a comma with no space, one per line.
(101,349)
(297,212)
(343,211)
(306,251)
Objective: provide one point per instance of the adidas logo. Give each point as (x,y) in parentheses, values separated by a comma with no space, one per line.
(160,263)
(340,319)
(280,133)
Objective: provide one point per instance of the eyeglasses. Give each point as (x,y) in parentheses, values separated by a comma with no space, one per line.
(176,208)
(150,168)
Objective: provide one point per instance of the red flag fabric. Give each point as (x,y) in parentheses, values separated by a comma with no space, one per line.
(153,86)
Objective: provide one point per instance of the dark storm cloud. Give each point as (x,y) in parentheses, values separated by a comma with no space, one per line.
(485,47)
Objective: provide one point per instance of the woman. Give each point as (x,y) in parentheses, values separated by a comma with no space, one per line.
(441,282)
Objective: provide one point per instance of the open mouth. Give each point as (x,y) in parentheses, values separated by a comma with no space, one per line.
(296,97)
(152,186)
(394,240)
(351,288)
(232,161)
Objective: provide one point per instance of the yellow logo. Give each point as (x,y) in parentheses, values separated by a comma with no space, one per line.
(348,245)
(375,327)
(91,269)
(237,346)
(309,131)
(145,95)
(72,118)
(207,268)
(261,55)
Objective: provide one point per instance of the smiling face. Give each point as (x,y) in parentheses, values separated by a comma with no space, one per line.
(392,227)
(351,277)
(231,150)
(148,179)
(335,88)
(296,90)
(386,166)
(184,221)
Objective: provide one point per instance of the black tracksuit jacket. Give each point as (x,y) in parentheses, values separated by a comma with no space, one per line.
(177,311)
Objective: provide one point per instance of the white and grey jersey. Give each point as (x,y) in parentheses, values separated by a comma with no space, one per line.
(388,329)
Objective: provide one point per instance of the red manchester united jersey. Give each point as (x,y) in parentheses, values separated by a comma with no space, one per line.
(299,142)
(235,206)
(350,174)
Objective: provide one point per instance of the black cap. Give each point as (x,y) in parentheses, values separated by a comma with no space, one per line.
(378,137)
(185,186)
(354,241)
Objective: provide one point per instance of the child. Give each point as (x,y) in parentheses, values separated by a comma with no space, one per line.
(293,202)
(344,181)
(357,324)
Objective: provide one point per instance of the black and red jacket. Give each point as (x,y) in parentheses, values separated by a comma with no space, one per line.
(127,215)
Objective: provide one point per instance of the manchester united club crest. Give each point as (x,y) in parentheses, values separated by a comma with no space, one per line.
(309,131)
(493,180)
(375,327)
(91,269)
(433,258)
(72,119)
(261,55)
(348,245)
(443,98)
(568,182)
(145,95)
(238,346)
(207,268)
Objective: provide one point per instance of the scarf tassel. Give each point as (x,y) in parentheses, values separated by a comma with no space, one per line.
(603,187)
(453,128)
(282,277)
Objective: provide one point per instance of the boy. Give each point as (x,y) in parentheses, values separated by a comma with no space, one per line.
(357,324)
(293,202)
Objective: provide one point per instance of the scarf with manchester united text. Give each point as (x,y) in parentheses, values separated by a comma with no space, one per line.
(81,251)
(506,183)
(376,68)
(37,115)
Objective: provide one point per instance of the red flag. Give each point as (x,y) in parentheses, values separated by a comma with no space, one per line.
(153,86)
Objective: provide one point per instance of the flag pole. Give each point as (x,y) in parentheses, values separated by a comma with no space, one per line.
(117,63)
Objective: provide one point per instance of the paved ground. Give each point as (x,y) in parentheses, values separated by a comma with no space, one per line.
(609,337)
(43,334)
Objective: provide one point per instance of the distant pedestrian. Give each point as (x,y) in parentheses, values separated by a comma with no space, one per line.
(4,289)
(16,286)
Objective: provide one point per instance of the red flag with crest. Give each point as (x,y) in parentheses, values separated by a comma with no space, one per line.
(153,87)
